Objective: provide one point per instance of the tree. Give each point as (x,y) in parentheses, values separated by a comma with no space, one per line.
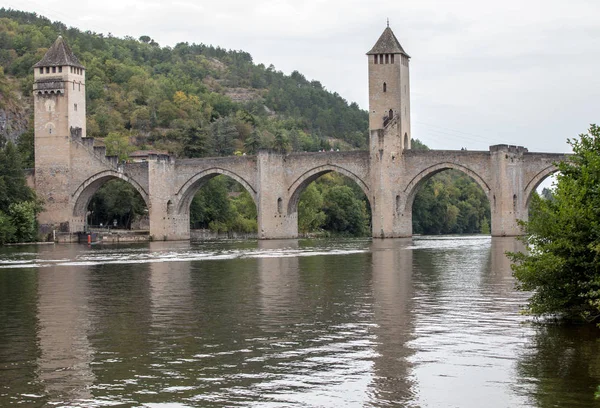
(310,214)
(117,144)
(562,237)
(344,213)
(18,204)
(116,200)
(281,143)
(252,143)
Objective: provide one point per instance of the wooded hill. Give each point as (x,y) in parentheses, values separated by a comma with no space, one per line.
(197,100)
(191,99)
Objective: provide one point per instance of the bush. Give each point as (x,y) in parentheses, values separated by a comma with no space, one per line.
(562,236)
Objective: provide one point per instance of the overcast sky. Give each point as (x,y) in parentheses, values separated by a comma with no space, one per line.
(523,72)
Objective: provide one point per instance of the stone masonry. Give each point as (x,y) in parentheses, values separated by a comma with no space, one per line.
(69,168)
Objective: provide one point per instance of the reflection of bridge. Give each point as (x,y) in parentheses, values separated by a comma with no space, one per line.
(70,169)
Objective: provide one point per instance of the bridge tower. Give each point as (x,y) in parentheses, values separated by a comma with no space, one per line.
(389,130)
(389,90)
(59,112)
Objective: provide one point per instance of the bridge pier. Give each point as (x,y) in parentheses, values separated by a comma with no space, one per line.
(508,201)
(166,222)
(274,219)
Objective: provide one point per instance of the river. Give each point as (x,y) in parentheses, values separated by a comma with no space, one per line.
(422,322)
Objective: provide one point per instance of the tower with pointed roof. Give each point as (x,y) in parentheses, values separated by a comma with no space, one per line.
(389,91)
(59,112)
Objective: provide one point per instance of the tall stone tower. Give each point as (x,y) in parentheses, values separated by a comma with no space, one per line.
(389,91)
(389,131)
(59,111)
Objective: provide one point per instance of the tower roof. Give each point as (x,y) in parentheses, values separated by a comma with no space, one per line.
(387,44)
(59,54)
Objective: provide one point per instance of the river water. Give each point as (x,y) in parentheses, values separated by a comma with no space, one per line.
(422,322)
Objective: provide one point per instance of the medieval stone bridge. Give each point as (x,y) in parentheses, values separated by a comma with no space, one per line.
(507,174)
(69,168)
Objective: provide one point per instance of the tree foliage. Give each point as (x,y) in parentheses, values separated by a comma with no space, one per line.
(18,204)
(198,100)
(222,205)
(562,262)
(451,203)
(333,204)
(158,96)
(116,200)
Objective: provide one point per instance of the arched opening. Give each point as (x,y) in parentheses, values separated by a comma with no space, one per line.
(541,187)
(391,114)
(384,87)
(542,184)
(449,200)
(111,201)
(406,141)
(220,206)
(331,203)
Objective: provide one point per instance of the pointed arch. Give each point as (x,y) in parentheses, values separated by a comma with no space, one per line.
(186,193)
(86,190)
(536,180)
(298,186)
(417,181)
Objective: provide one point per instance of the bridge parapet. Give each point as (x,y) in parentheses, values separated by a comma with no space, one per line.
(508,148)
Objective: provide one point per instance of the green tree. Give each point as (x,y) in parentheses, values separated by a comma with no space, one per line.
(116,200)
(195,142)
(7,229)
(13,186)
(22,216)
(117,144)
(281,143)
(310,210)
(562,237)
(18,204)
(345,214)
(252,143)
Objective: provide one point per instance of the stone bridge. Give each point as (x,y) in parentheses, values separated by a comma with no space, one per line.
(69,169)
(507,174)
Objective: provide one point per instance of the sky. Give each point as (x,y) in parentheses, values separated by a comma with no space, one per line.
(522,72)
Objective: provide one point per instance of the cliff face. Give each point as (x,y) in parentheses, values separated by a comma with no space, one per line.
(15,110)
(14,121)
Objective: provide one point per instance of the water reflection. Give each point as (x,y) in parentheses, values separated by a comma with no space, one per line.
(279,280)
(423,322)
(560,366)
(465,323)
(64,322)
(392,269)
(18,335)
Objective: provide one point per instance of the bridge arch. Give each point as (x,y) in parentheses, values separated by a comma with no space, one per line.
(298,186)
(417,181)
(536,180)
(86,190)
(188,190)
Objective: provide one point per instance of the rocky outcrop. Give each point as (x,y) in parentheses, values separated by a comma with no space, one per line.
(13,123)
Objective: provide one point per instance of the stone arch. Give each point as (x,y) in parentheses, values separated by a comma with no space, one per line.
(536,181)
(406,141)
(417,181)
(86,190)
(298,186)
(188,190)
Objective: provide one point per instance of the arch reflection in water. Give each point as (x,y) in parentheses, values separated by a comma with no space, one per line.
(466,317)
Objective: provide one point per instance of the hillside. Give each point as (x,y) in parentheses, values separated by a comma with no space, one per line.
(191,99)
(197,100)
